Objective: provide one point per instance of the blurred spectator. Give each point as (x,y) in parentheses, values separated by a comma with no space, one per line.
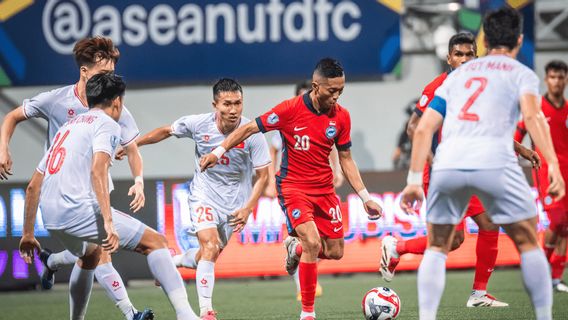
(401,154)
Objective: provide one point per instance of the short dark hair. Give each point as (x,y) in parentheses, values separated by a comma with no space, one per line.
(503,27)
(103,88)
(556,65)
(89,51)
(304,85)
(461,38)
(329,68)
(226,85)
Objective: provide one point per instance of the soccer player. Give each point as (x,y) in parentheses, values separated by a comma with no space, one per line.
(555,109)
(461,49)
(221,199)
(310,125)
(478,104)
(92,55)
(75,200)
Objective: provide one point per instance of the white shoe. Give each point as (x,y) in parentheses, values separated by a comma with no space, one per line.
(388,259)
(486,300)
(560,287)
(292,259)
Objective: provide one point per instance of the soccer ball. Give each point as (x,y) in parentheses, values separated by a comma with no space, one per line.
(381,303)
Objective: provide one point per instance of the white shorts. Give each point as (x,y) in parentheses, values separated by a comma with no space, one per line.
(205,216)
(504,192)
(77,237)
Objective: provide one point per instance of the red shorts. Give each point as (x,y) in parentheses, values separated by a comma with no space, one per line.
(541,182)
(324,210)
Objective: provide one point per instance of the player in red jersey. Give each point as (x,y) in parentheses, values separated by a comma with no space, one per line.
(555,108)
(461,49)
(309,125)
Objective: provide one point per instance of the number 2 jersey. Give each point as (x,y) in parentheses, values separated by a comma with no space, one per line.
(228,185)
(67,195)
(308,138)
(480,104)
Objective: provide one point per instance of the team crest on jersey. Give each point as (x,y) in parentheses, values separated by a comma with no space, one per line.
(273,118)
(296,213)
(423,100)
(330,132)
(70,112)
(113,141)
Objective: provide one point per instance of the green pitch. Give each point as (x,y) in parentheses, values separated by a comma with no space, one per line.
(275,299)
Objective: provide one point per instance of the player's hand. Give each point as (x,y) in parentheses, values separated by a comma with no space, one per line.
(556,188)
(373,209)
(120,153)
(208,161)
(137,190)
(530,155)
(411,200)
(239,219)
(5,164)
(110,243)
(28,245)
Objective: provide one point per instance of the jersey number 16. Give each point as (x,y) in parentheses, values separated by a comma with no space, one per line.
(57,153)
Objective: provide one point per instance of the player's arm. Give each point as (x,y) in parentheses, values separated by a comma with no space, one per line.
(239,135)
(99,179)
(155,136)
(539,131)
(28,243)
(353,176)
(527,153)
(137,168)
(430,122)
(240,217)
(270,190)
(338,177)
(9,124)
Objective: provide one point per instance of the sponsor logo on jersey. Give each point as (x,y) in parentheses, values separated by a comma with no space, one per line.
(423,100)
(330,132)
(206,138)
(273,118)
(70,112)
(299,129)
(296,213)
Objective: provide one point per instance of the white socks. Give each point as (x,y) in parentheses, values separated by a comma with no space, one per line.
(186,259)
(431,283)
(108,278)
(297,280)
(80,285)
(205,281)
(61,259)
(164,270)
(536,276)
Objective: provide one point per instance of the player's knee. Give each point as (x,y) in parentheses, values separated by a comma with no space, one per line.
(458,240)
(311,245)
(335,254)
(211,248)
(91,259)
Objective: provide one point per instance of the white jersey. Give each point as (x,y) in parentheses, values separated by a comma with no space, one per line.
(228,185)
(67,195)
(481,112)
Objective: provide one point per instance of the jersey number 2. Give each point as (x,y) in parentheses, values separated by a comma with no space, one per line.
(57,153)
(464,114)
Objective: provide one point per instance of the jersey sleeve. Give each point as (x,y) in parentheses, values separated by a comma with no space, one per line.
(276,142)
(259,151)
(422,103)
(107,137)
(343,140)
(527,82)
(184,127)
(128,128)
(276,118)
(39,106)
(42,165)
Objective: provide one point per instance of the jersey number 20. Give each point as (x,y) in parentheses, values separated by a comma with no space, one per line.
(464,113)
(57,153)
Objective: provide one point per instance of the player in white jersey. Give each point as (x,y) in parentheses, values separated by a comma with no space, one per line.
(220,199)
(75,201)
(478,105)
(92,55)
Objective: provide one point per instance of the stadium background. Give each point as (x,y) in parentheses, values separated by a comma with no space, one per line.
(388,61)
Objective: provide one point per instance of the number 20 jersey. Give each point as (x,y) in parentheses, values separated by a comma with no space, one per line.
(481,101)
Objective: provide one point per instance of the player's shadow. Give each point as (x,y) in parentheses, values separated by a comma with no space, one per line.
(361,154)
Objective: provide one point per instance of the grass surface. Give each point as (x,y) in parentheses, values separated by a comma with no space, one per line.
(275,299)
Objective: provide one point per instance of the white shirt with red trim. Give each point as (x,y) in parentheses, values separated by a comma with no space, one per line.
(228,185)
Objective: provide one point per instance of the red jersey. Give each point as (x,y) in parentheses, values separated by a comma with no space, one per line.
(308,137)
(428,94)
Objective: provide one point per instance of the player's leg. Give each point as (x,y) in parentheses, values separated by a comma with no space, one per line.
(210,244)
(549,242)
(557,259)
(51,263)
(188,259)
(81,281)
(311,245)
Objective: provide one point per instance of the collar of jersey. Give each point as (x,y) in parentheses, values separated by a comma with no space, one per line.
(563,104)
(309,104)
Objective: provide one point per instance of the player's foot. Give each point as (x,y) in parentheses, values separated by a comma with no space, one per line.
(560,287)
(47,274)
(292,259)
(319,292)
(486,300)
(211,315)
(147,314)
(389,257)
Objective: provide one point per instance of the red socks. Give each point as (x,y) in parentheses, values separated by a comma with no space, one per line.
(416,246)
(308,272)
(486,250)
(557,264)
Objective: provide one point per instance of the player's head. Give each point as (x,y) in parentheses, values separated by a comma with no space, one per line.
(105,90)
(303,87)
(503,29)
(328,82)
(95,55)
(461,49)
(555,77)
(228,100)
